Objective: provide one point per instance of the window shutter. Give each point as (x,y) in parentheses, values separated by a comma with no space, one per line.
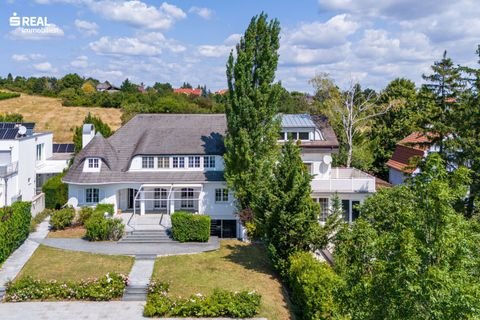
(101,196)
(81,196)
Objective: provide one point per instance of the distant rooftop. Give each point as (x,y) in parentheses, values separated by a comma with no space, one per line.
(297,121)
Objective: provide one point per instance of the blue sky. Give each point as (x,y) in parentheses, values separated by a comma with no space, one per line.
(365,40)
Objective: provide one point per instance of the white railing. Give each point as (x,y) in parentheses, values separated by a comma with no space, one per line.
(345,180)
(38,204)
(8,169)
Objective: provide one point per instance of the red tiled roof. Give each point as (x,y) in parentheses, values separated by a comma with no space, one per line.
(195,92)
(221,91)
(412,146)
(380,183)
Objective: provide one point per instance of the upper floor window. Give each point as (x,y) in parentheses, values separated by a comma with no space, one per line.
(297,135)
(148,162)
(178,162)
(221,195)
(93,163)
(194,162)
(209,162)
(40,148)
(164,162)
(324,208)
(303,136)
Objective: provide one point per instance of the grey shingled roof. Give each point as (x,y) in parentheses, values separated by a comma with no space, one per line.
(166,134)
(153,134)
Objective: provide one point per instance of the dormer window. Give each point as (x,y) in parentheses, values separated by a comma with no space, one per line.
(209,162)
(93,163)
(303,136)
(148,162)
(194,162)
(179,162)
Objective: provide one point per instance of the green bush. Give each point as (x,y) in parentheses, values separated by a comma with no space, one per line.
(106,288)
(8,95)
(190,227)
(312,284)
(101,228)
(39,218)
(56,192)
(84,214)
(60,219)
(14,227)
(104,207)
(221,303)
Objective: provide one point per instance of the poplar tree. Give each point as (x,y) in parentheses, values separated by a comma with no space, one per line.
(251,140)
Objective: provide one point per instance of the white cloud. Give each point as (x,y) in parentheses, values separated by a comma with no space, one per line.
(26,57)
(43,33)
(80,62)
(203,13)
(138,13)
(233,39)
(86,27)
(214,51)
(145,44)
(330,33)
(45,67)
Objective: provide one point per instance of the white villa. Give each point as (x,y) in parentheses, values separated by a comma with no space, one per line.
(27,159)
(162,163)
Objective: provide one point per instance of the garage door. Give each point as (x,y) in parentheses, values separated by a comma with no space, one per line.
(224,228)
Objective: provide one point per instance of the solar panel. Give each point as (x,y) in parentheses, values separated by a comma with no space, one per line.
(7,125)
(10,134)
(63,147)
(2,132)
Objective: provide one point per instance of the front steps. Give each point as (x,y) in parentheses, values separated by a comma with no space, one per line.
(147,236)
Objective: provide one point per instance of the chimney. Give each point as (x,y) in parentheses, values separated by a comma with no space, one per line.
(88,132)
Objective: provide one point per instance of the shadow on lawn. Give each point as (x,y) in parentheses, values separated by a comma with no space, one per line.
(251,256)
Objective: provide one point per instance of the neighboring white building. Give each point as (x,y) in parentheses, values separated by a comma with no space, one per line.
(25,157)
(162,163)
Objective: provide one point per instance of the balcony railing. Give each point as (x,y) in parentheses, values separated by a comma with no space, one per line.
(8,169)
(345,180)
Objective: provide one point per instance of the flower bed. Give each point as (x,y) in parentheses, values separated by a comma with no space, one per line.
(221,303)
(108,287)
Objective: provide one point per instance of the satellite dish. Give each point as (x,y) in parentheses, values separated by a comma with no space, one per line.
(22,130)
(327,159)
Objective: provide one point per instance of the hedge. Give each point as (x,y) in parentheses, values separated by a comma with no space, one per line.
(101,228)
(105,207)
(221,303)
(106,288)
(190,227)
(14,227)
(8,95)
(56,192)
(312,284)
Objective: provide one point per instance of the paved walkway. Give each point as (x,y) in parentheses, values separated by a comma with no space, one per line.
(117,310)
(110,247)
(19,257)
(139,278)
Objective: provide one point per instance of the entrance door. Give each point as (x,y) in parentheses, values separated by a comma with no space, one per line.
(131,199)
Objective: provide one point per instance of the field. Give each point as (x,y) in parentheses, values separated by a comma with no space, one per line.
(50,115)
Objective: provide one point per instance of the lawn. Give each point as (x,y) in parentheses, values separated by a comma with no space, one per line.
(55,264)
(236,266)
(46,112)
(73,232)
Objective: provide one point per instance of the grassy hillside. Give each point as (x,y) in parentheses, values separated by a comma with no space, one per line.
(50,115)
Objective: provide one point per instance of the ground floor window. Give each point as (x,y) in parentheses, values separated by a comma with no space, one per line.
(160,196)
(92,195)
(224,228)
(324,208)
(350,211)
(187,198)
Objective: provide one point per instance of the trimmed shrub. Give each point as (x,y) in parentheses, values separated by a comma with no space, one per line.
(312,284)
(104,207)
(100,228)
(56,192)
(60,219)
(39,218)
(221,303)
(190,227)
(106,288)
(14,227)
(8,95)
(84,214)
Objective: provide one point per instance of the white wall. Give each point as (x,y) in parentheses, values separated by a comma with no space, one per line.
(320,169)
(395,177)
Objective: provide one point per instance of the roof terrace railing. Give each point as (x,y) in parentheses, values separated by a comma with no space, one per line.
(8,169)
